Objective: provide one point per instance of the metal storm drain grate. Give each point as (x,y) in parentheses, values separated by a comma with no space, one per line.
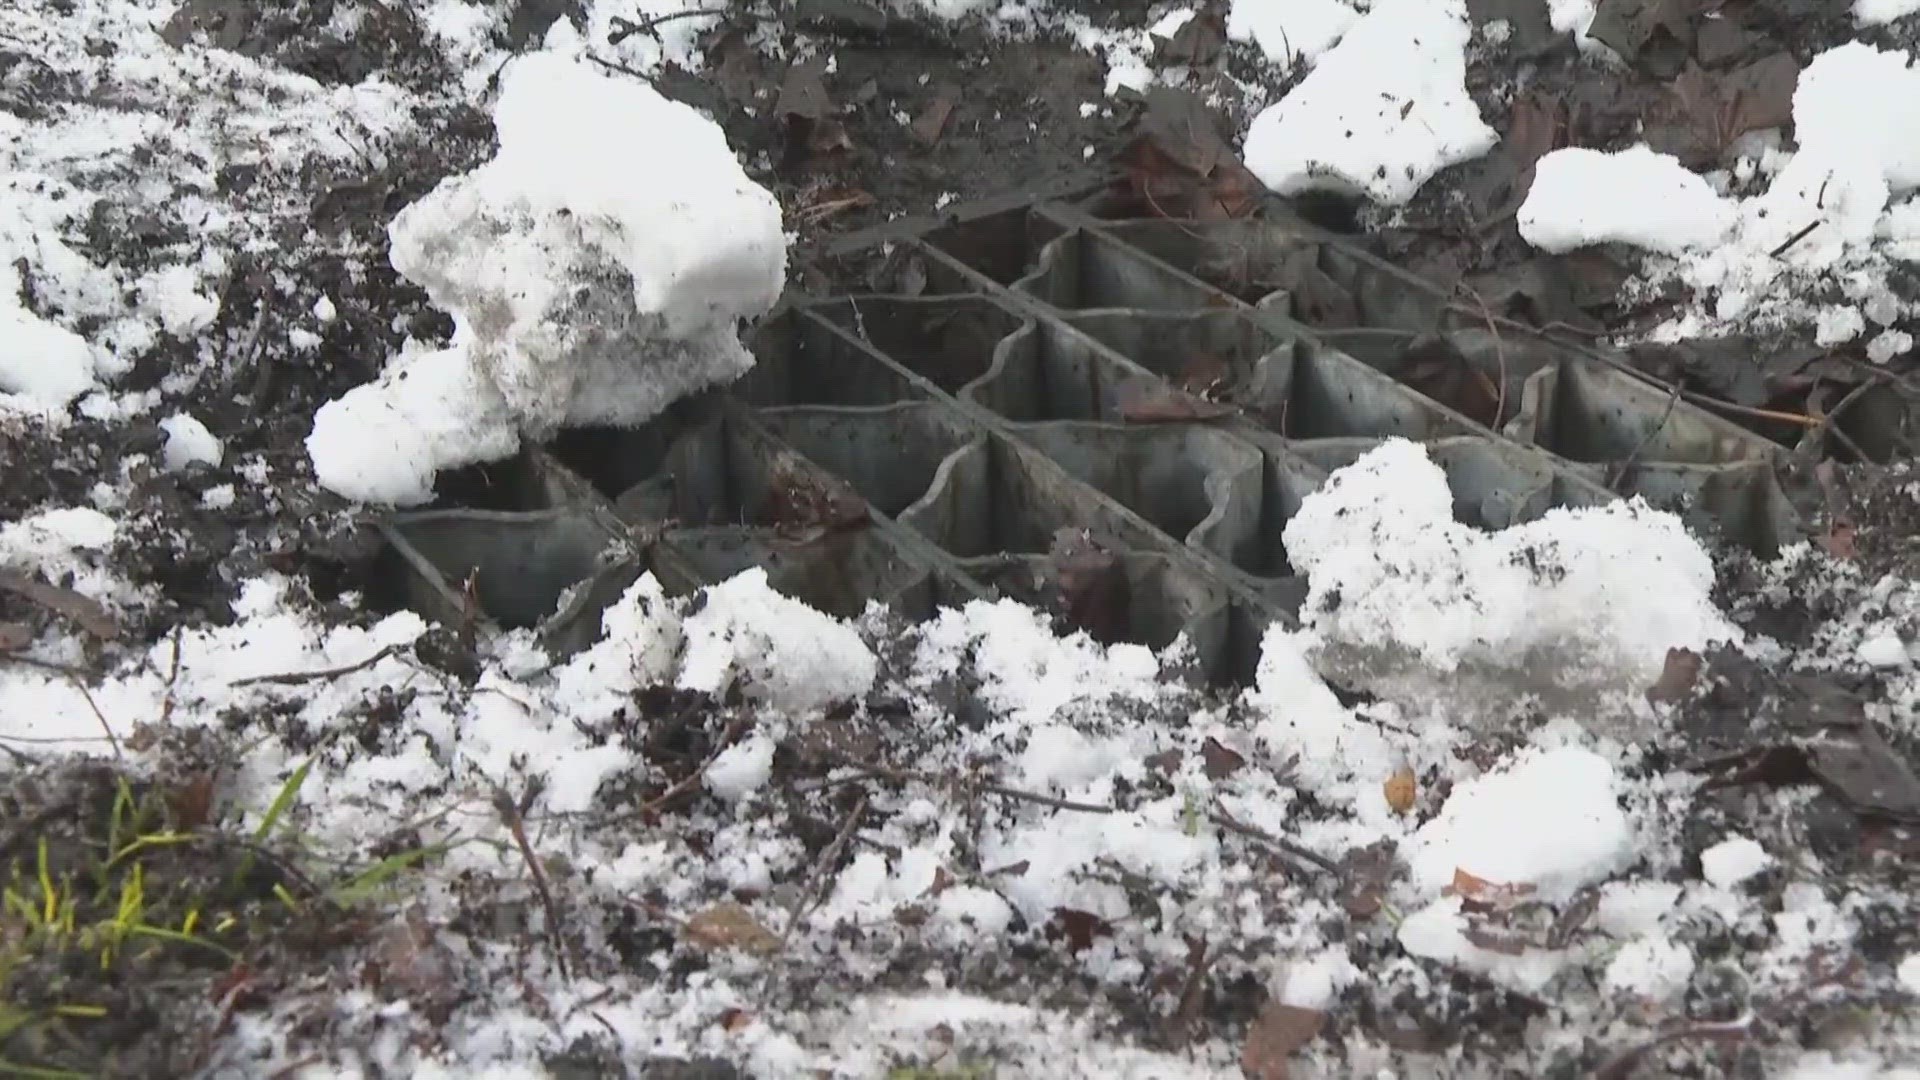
(1111,418)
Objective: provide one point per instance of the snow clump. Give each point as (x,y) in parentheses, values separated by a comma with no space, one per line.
(1608,589)
(597,269)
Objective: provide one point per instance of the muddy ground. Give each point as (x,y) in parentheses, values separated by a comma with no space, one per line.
(986,117)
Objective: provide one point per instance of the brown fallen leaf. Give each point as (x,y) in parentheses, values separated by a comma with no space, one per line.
(84,611)
(1180,166)
(1079,928)
(729,926)
(1091,586)
(1436,368)
(1150,401)
(801,500)
(1478,892)
(192,802)
(1277,1033)
(1839,540)
(1401,789)
(13,636)
(931,123)
(1677,678)
(1218,761)
(1703,113)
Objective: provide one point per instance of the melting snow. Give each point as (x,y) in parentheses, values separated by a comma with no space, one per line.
(1610,589)
(1380,113)
(1636,196)
(595,293)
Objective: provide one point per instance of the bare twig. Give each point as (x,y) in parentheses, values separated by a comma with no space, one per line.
(1799,235)
(173,676)
(1043,800)
(727,738)
(1618,471)
(626,28)
(1499,352)
(812,892)
(1830,418)
(294,678)
(870,771)
(1623,1065)
(1287,847)
(513,814)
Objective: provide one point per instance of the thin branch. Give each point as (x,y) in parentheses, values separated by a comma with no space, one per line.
(294,678)
(1287,847)
(513,814)
(626,28)
(813,892)
(1618,471)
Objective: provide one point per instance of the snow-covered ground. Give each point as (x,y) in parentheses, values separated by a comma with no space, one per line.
(808,846)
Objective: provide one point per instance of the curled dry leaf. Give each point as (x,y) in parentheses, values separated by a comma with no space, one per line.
(1277,1034)
(1401,789)
(1478,892)
(729,926)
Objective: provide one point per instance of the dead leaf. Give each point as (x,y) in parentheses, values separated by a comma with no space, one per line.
(1150,401)
(801,500)
(1180,166)
(1536,125)
(803,93)
(84,611)
(1091,586)
(1703,113)
(1277,1033)
(1655,36)
(735,1020)
(408,960)
(1079,928)
(1401,789)
(729,926)
(1205,375)
(736,67)
(1862,769)
(1438,369)
(1219,762)
(1839,540)
(1477,892)
(1364,876)
(13,636)
(192,802)
(928,128)
(1677,678)
(1166,762)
